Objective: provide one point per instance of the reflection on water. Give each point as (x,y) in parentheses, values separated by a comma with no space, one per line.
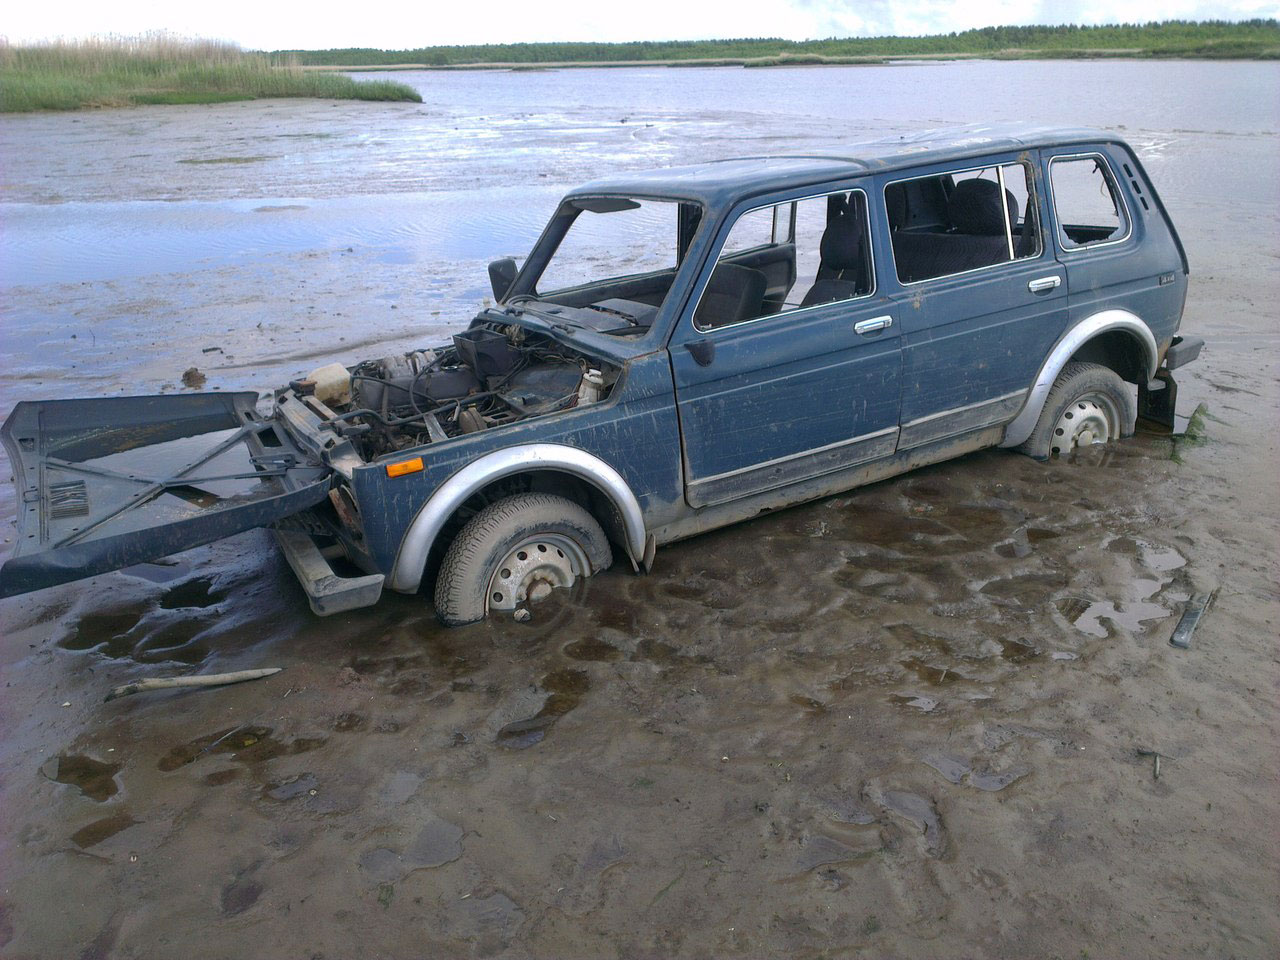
(76,242)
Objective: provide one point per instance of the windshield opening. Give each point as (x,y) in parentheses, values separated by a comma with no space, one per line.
(617,259)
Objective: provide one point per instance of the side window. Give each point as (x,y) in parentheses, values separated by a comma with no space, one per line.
(956,222)
(1086,202)
(753,229)
(792,255)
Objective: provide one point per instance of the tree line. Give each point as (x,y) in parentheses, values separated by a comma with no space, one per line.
(1259,37)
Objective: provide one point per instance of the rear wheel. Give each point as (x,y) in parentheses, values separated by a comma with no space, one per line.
(1088,404)
(516,551)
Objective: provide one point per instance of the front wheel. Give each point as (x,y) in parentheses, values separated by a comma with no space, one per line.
(516,551)
(1088,404)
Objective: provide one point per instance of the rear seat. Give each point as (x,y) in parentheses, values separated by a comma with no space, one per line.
(976,239)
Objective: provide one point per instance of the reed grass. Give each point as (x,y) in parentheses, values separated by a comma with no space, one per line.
(161,68)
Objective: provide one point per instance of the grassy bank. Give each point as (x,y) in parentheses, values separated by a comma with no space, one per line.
(116,72)
(1214,39)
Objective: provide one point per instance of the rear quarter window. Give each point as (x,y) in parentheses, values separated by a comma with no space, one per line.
(1086,202)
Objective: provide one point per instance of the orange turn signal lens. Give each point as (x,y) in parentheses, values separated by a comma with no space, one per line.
(404,467)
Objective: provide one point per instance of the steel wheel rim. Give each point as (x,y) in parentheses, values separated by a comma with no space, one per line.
(1087,420)
(533,568)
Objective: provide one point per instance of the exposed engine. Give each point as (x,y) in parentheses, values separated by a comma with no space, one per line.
(488,377)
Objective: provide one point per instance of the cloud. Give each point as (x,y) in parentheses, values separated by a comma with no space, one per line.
(336,23)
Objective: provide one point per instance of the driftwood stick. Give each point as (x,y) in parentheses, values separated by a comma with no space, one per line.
(199,680)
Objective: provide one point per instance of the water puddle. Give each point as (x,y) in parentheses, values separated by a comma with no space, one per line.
(921,703)
(199,592)
(565,689)
(592,649)
(100,830)
(138,633)
(93,778)
(1017,651)
(438,842)
(106,633)
(1087,615)
(247,745)
(958,771)
(1024,590)
(928,673)
(921,814)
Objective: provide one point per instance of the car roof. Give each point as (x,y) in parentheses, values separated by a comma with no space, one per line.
(723,181)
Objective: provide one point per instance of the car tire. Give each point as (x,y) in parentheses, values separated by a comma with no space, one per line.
(1088,404)
(515,551)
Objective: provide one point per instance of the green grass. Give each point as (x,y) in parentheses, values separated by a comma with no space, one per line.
(122,71)
(1195,435)
(1214,39)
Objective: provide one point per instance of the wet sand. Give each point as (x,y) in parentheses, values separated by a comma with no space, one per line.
(908,721)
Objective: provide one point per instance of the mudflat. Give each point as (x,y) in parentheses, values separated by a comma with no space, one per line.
(918,719)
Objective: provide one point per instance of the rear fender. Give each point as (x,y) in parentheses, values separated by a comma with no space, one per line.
(1102,322)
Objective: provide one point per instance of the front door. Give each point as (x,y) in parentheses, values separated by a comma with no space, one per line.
(779,383)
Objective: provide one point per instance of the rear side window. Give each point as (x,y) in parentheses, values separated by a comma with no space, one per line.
(1085,199)
(965,220)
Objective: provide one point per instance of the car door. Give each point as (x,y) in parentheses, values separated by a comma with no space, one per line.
(980,295)
(780,392)
(1115,254)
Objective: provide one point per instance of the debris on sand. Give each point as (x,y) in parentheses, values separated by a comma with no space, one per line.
(1155,761)
(1191,614)
(200,680)
(193,378)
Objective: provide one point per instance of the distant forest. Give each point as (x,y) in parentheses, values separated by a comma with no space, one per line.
(1170,38)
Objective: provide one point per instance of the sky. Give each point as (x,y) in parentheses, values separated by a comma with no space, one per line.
(319,24)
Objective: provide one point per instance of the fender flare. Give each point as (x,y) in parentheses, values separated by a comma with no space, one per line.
(411,559)
(1102,322)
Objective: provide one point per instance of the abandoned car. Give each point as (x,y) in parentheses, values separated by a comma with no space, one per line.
(682,349)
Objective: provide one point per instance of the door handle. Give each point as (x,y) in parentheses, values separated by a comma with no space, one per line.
(874,325)
(1044,283)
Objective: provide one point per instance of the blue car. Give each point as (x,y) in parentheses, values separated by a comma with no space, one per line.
(682,349)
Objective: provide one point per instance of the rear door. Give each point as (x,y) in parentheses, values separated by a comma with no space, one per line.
(772,391)
(982,297)
(1117,251)
(106,483)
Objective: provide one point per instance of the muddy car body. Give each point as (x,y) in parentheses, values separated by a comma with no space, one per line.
(760,332)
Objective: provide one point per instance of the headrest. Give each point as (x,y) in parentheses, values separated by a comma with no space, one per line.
(841,246)
(974,208)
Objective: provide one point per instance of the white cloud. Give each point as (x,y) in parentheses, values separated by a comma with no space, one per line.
(330,23)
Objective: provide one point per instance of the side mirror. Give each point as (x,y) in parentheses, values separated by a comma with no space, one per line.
(502,274)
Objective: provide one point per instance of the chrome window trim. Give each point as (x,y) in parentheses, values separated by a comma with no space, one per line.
(991,266)
(1113,183)
(817,306)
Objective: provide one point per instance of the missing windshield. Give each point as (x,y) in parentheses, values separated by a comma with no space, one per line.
(615,261)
